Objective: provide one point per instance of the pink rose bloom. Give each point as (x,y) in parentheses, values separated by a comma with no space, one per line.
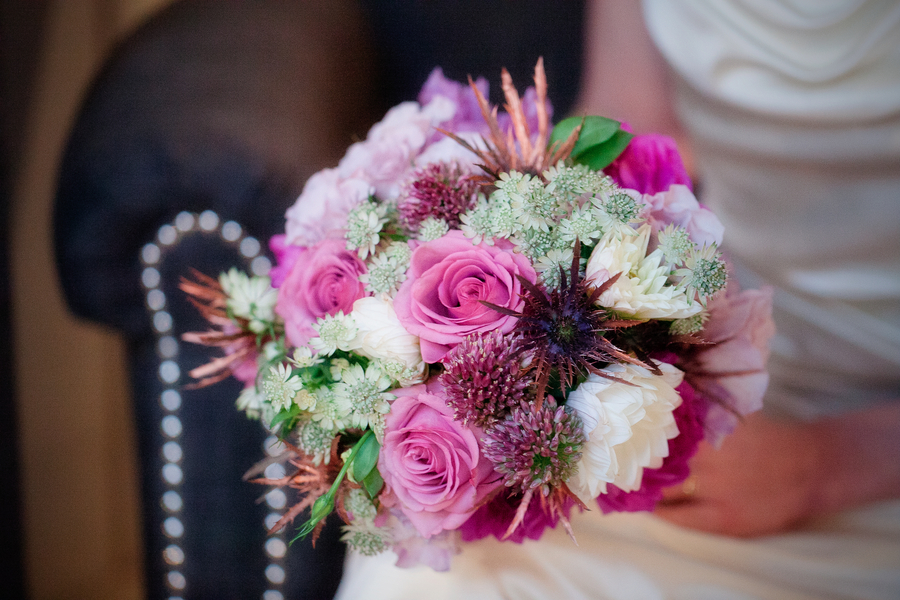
(732,371)
(432,465)
(322,208)
(285,257)
(678,205)
(650,164)
(440,301)
(324,279)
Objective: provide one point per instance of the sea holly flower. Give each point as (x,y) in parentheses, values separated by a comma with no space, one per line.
(250,298)
(334,333)
(364,224)
(280,386)
(704,273)
(364,391)
(642,290)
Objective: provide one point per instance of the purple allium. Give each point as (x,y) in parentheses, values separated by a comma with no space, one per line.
(535,446)
(440,190)
(495,517)
(689,416)
(484,379)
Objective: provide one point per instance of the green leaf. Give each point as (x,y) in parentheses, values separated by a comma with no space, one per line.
(285,415)
(601,155)
(365,458)
(595,130)
(373,483)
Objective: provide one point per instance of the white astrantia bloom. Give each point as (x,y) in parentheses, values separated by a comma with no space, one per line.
(642,291)
(365,390)
(334,332)
(364,225)
(476,223)
(281,386)
(380,335)
(332,411)
(386,272)
(548,266)
(251,298)
(627,427)
(251,401)
(303,357)
(617,210)
(431,229)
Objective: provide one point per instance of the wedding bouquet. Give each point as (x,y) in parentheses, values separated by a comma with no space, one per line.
(478,324)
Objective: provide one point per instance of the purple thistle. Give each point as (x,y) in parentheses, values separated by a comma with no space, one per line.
(535,446)
(440,190)
(484,378)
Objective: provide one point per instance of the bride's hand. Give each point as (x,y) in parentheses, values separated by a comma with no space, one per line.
(770,476)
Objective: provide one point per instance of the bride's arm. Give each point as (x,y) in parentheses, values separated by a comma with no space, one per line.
(770,476)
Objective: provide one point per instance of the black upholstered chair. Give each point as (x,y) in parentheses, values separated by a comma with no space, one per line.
(195,138)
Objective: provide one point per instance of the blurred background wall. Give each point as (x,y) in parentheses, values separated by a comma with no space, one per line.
(78,486)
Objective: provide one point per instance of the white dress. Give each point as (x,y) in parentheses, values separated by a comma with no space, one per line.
(794,107)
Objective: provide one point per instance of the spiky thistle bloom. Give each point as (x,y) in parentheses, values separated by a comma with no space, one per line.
(484,378)
(535,447)
(564,331)
(440,191)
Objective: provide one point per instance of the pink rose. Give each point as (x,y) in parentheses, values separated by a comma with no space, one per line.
(322,208)
(440,301)
(732,371)
(678,206)
(324,279)
(650,164)
(433,467)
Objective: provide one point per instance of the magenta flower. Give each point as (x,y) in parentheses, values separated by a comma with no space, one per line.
(650,164)
(323,280)
(495,517)
(448,278)
(285,257)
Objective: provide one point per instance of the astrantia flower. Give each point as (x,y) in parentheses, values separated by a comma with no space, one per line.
(642,290)
(364,224)
(251,298)
(535,243)
(582,224)
(303,358)
(250,401)
(535,447)
(484,377)
(532,206)
(364,391)
(552,264)
(365,537)
(315,440)
(576,180)
(385,274)
(431,229)
(617,210)
(704,273)
(476,223)
(690,325)
(438,191)
(332,411)
(280,386)
(334,333)
(358,505)
(675,244)
(627,424)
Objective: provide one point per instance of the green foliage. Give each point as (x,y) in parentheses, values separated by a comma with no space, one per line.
(600,142)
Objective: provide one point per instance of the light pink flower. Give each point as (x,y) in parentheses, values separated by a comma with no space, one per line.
(412,549)
(448,278)
(322,208)
(678,206)
(433,468)
(324,280)
(650,164)
(732,371)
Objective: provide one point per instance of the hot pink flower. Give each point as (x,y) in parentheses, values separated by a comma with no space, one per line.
(448,278)
(324,279)
(650,164)
(495,517)
(285,257)
(732,371)
(432,465)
